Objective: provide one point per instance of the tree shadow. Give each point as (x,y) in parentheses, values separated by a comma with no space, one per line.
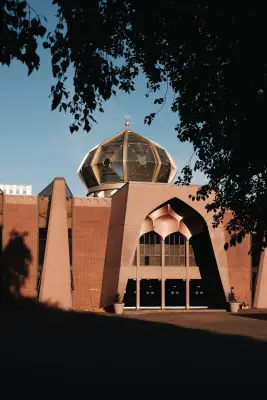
(14,268)
(113,349)
(259,315)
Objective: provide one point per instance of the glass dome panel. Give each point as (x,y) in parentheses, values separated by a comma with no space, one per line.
(112,150)
(139,148)
(109,161)
(165,168)
(110,173)
(163,156)
(141,162)
(87,171)
(164,173)
(118,168)
(140,173)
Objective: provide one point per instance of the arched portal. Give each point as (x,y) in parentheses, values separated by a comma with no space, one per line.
(176,268)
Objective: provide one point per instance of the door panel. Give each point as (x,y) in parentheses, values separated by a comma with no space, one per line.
(175,293)
(150,293)
(197,293)
(130,293)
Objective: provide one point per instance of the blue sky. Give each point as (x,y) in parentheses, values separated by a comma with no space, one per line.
(36,144)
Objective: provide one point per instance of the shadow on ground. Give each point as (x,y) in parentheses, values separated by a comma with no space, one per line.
(118,349)
(256,315)
(36,336)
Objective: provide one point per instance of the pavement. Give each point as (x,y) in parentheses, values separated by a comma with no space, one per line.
(149,347)
(251,323)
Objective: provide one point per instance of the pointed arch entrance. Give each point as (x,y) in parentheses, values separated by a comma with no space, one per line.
(175,262)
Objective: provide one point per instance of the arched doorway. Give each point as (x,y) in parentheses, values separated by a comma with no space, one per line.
(175,263)
(150,290)
(175,256)
(150,249)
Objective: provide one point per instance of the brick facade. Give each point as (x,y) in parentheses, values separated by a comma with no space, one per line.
(104,243)
(89,239)
(239,266)
(20,214)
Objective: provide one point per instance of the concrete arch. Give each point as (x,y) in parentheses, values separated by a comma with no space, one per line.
(130,207)
(172,233)
(194,225)
(196,219)
(183,229)
(165,225)
(147,226)
(152,231)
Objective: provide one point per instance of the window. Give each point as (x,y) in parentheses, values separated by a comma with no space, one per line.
(70,244)
(24,191)
(175,250)
(11,191)
(192,259)
(70,255)
(150,249)
(17,191)
(42,245)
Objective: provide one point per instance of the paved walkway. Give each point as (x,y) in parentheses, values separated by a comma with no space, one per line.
(249,323)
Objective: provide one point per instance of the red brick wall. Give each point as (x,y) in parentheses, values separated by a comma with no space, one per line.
(89,240)
(23,218)
(239,265)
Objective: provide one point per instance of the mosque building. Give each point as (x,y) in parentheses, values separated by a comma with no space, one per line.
(135,233)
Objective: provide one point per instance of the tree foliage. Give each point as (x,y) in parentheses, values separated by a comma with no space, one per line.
(20,29)
(211,54)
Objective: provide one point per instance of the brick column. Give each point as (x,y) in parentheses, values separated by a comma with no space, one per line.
(55,284)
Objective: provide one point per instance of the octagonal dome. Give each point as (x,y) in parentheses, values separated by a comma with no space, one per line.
(126,156)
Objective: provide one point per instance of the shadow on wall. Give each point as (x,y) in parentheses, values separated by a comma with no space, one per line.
(14,268)
(208,268)
(204,253)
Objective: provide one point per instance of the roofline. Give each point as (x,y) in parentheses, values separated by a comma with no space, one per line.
(17,184)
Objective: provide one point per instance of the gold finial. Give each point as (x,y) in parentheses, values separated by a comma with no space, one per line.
(127,122)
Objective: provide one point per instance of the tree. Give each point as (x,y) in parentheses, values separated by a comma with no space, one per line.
(20,29)
(212,55)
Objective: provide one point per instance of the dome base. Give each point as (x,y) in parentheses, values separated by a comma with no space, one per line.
(104,190)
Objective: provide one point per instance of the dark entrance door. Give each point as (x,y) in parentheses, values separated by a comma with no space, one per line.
(198,295)
(150,293)
(175,293)
(130,294)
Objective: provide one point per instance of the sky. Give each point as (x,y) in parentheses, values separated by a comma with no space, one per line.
(36,144)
